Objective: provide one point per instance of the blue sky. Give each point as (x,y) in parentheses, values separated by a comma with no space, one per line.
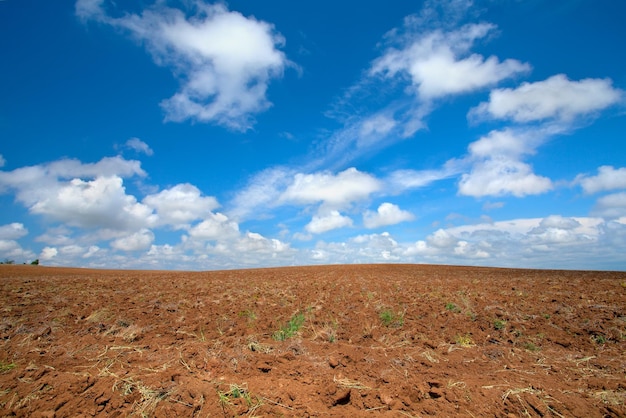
(196,135)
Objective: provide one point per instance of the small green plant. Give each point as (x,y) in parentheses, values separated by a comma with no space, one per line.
(531,346)
(328,332)
(386,316)
(5,367)
(598,338)
(235,392)
(248,313)
(499,324)
(291,328)
(391,319)
(452,307)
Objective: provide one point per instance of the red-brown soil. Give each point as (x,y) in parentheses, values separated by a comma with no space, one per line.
(376,340)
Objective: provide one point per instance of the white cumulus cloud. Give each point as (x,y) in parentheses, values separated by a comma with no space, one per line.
(497,168)
(86,195)
(224,60)
(506,142)
(252,242)
(386,214)
(328,222)
(438,63)
(48,253)
(140,240)
(34,184)
(98,203)
(181,204)
(554,98)
(371,248)
(216,226)
(12,231)
(556,229)
(611,206)
(608,178)
(499,176)
(335,191)
(12,250)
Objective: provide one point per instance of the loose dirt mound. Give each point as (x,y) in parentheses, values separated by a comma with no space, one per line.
(377,340)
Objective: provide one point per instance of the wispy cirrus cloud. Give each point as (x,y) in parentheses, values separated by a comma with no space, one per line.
(423,62)
(139,146)
(261,193)
(224,60)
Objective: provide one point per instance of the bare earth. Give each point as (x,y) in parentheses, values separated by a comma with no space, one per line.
(372,340)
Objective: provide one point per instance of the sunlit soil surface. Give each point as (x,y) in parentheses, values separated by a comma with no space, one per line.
(340,341)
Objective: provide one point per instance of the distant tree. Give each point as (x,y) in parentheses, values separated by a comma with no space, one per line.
(7,261)
(35,262)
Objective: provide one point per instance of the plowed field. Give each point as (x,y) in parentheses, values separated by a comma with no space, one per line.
(332,341)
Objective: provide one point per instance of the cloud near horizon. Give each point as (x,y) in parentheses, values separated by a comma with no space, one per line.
(209,239)
(87,205)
